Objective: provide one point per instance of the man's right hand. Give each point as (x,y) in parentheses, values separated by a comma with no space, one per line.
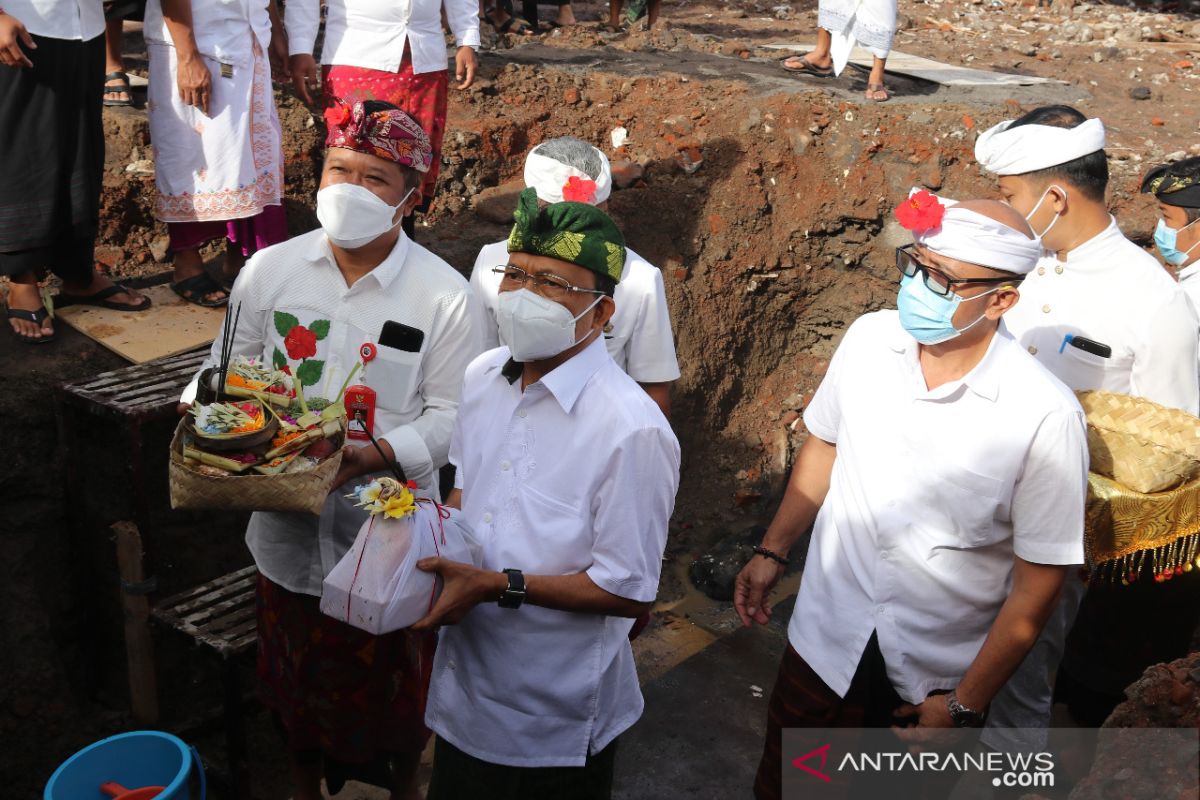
(12,36)
(752,590)
(306,76)
(182,408)
(195,82)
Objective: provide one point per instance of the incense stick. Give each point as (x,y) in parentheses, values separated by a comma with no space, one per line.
(227,351)
(392,465)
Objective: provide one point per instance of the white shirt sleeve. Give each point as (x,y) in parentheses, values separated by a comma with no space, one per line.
(650,351)
(823,417)
(631,509)
(422,446)
(485,294)
(301,20)
(1048,499)
(463,16)
(1169,376)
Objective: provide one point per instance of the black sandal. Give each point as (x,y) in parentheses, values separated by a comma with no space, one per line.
(523,27)
(36,317)
(196,288)
(808,67)
(100,299)
(122,87)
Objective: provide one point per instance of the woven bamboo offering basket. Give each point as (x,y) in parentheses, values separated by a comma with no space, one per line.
(297,491)
(1140,444)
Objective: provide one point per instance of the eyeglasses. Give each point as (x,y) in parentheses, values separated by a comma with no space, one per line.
(936,281)
(547,284)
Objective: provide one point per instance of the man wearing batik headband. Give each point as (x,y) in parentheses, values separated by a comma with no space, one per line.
(310,304)
(944,477)
(567,471)
(1098,312)
(639,334)
(1176,188)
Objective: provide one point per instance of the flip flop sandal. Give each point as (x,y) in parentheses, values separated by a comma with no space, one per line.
(122,87)
(522,28)
(808,68)
(36,317)
(879,87)
(101,300)
(196,288)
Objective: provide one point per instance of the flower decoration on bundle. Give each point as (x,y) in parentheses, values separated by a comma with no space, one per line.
(387,497)
(921,211)
(579,190)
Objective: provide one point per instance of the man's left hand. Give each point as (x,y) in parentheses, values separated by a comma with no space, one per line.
(465,65)
(463,588)
(277,54)
(355,462)
(926,722)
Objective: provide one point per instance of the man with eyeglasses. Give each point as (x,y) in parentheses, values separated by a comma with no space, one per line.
(567,471)
(638,336)
(944,476)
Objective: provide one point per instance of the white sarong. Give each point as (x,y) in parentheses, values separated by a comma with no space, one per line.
(221,166)
(871,23)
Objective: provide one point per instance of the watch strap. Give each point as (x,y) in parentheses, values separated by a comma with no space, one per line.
(514,595)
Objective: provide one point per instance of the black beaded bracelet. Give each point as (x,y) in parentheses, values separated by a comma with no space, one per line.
(759,550)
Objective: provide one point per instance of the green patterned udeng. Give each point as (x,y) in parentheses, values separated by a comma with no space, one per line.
(574,232)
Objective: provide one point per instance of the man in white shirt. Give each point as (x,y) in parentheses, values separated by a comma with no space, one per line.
(1098,312)
(390,51)
(52,160)
(946,472)
(341,693)
(567,472)
(639,337)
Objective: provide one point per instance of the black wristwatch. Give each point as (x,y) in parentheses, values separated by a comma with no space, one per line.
(962,716)
(514,595)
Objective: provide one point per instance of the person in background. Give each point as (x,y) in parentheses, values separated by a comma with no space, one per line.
(637,10)
(567,471)
(342,695)
(842,24)
(218,145)
(117,91)
(52,160)
(639,335)
(1097,290)
(944,476)
(1176,190)
(395,53)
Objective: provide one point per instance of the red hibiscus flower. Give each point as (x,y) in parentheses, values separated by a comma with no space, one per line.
(920,212)
(301,343)
(578,190)
(337,115)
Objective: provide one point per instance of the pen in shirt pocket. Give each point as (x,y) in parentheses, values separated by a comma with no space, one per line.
(1086,345)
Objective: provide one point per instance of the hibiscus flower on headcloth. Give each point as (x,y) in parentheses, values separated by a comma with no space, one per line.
(379,129)
(921,212)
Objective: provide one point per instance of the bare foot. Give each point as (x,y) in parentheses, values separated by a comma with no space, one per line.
(566,15)
(25,296)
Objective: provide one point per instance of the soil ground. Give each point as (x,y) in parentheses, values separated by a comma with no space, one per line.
(764,197)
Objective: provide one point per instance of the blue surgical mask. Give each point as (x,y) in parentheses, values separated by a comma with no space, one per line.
(928,317)
(1164,240)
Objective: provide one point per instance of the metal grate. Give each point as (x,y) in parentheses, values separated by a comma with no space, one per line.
(220,613)
(139,391)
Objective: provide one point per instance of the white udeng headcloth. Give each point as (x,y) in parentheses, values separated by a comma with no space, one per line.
(548,177)
(971,237)
(1003,150)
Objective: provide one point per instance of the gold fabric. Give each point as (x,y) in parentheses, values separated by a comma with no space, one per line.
(1124,529)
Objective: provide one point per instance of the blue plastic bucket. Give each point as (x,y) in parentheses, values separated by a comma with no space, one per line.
(133,760)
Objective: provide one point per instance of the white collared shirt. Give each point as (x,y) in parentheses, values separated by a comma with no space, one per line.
(577,473)
(640,341)
(1189,281)
(224,29)
(933,492)
(417,392)
(372,33)
(1113,292)
(80,20)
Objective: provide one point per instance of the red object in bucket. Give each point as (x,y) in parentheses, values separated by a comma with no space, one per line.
(119,792)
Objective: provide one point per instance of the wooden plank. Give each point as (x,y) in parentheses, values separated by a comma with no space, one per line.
(928,69)
(169,327)
(139,648)
(215,597)
(171,604)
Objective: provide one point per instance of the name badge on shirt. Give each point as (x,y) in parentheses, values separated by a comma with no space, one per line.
(227,70)
(360,411)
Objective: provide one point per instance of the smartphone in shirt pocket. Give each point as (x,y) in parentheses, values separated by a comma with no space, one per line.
(396,371)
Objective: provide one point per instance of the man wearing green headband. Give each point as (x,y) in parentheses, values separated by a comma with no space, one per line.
(567,470)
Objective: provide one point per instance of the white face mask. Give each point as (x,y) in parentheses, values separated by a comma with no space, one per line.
(1053,222)
(353,216)
(535,328)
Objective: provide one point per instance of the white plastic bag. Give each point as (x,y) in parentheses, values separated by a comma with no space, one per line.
(377,586)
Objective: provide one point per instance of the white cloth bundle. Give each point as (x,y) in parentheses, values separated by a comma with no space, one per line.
(377,586)
(1004,150)
(548,176)
(971,237)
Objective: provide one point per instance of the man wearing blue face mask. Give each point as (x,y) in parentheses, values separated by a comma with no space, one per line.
(567,471)
(1176,188)
(944,479)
